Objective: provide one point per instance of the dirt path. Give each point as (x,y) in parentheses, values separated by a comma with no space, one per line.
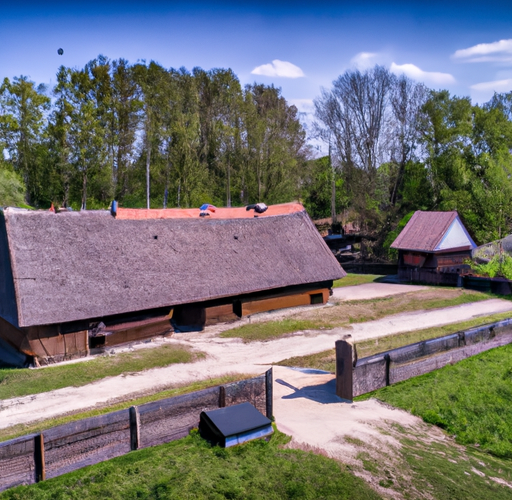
(307,408)
(226,356)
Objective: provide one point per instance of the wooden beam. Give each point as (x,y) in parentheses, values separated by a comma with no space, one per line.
(252,306)
(220,314)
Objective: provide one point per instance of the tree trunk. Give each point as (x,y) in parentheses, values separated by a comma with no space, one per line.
(148,158)
(84,191)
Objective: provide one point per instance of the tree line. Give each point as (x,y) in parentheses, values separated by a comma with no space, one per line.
(400,147)
(150,136)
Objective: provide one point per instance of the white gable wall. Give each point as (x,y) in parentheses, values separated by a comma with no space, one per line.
(456,236)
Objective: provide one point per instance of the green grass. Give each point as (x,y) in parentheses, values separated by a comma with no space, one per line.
(192,469)
(471,400)
(446,473)
(355,311)
(22,382)
(22,429)
(325,360)
(270,330)
(423,467)
(356,279)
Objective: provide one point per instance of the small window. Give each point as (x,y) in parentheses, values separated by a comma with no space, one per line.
(317,298)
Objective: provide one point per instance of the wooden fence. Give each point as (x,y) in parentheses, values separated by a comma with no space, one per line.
(33,458)
(386,368)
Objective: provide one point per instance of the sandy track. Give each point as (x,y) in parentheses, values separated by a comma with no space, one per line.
(227,356)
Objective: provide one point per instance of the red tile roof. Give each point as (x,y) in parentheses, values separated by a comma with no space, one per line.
(193,213)
(424,231)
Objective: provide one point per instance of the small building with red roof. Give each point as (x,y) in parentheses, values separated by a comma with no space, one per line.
(433,248)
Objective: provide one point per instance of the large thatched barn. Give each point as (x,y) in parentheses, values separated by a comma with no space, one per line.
(73,281)
(433,248)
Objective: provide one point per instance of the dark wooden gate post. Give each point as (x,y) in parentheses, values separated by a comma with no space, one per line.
(344,370)
(40,467)
(269,394)
(134,428)
(222,396)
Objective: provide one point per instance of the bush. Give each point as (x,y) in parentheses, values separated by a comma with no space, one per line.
(12,189)
(500,265)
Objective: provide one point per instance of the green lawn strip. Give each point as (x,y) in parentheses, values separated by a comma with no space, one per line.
(326,360)
(471,399)
(356,279)
(347,312)
(387,306)
(269,330)
(191,469)
(23,429)
(21,382)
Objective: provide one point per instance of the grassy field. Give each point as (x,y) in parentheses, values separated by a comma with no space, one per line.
(192,469)
(21,382)
(425,465)
(356,279)
(326,360)
(22,429)
(471,400)
(354,311)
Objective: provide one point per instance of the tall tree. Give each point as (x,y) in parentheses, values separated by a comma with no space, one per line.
(86,134)
(23,108)
(354,117)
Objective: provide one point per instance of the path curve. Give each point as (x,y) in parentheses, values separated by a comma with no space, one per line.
(226,356)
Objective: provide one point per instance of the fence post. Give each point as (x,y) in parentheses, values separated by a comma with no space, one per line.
(269,394)
(40,468)
(134,428)
(387,357)
(344,370)
(222,396)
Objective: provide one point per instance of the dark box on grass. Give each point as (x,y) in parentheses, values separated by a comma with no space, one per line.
(234,425)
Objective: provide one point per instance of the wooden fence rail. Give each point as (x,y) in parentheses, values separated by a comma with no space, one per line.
(33,458)
(374,372)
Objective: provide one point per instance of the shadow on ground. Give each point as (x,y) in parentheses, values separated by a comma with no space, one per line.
(322,393)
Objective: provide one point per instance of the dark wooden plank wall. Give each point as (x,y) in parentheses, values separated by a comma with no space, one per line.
(68,447)
(173,418)
(380,370)
(252,390)
(75,445)
(17,464)
(427,276)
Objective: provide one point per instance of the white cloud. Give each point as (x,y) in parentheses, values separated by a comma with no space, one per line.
(484,52)
(364,60)
(303,105)
(416,73)
(279,68)
(496,86)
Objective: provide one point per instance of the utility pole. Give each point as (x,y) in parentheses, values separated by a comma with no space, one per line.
(333,190)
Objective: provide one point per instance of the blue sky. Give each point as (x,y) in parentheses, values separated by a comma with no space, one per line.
(465,47)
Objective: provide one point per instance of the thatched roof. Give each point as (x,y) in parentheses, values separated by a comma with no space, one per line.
(434,232)
(79,265)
